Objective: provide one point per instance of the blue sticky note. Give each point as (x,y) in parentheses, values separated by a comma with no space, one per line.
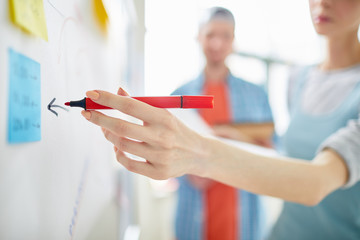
(24,119)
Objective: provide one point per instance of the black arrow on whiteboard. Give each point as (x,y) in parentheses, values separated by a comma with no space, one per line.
(51,105)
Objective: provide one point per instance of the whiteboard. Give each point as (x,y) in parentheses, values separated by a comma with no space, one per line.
(64,186)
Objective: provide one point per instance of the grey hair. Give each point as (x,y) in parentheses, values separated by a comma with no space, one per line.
(217,13)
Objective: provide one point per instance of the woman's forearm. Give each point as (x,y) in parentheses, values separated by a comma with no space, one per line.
(260,131)
(305,182)
(255,133)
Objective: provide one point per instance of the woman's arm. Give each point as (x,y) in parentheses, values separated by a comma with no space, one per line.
(305,182)
(171,149)
(254,133)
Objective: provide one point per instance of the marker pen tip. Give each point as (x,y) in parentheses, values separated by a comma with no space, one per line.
(67,103)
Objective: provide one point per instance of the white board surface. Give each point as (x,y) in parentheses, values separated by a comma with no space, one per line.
(59,187)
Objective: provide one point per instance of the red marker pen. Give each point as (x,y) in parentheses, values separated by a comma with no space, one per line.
(160,102)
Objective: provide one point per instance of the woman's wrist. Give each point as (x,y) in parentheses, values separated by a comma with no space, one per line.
(202,164)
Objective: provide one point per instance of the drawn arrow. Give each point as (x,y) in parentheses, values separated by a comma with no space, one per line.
(51,105)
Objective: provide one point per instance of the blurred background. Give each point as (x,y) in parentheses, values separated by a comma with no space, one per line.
(272,38)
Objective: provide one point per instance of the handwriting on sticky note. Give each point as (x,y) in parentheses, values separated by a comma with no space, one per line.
(29,15)
(24,119)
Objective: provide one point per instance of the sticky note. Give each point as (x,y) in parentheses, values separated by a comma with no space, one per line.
(29,15)
(24,109)
(100,14)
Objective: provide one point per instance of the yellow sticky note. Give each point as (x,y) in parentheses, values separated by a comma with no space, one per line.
(29,15)
(100,14)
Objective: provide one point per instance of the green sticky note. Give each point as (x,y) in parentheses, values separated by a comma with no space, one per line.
(24,119)
(29,15)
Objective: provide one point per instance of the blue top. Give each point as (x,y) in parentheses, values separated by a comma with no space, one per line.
(338,215)
(248,104)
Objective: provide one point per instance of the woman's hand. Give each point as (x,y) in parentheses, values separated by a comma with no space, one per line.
(169,147)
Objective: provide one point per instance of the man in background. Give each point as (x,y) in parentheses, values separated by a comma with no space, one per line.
(207,209)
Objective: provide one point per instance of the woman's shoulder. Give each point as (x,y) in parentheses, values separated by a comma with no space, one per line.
(299,72)
(297,75)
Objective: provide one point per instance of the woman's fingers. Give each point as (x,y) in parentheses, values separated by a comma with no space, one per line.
(126,145)
(126,105)
(118,126)
(122,92)
(132,165)
(143,168)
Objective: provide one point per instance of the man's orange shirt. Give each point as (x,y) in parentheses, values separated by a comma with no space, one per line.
(220,200)
(221,112)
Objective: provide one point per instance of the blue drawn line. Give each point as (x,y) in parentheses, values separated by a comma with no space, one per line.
(78,198)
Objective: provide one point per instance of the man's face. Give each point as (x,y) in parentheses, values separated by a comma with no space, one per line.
(216,39)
